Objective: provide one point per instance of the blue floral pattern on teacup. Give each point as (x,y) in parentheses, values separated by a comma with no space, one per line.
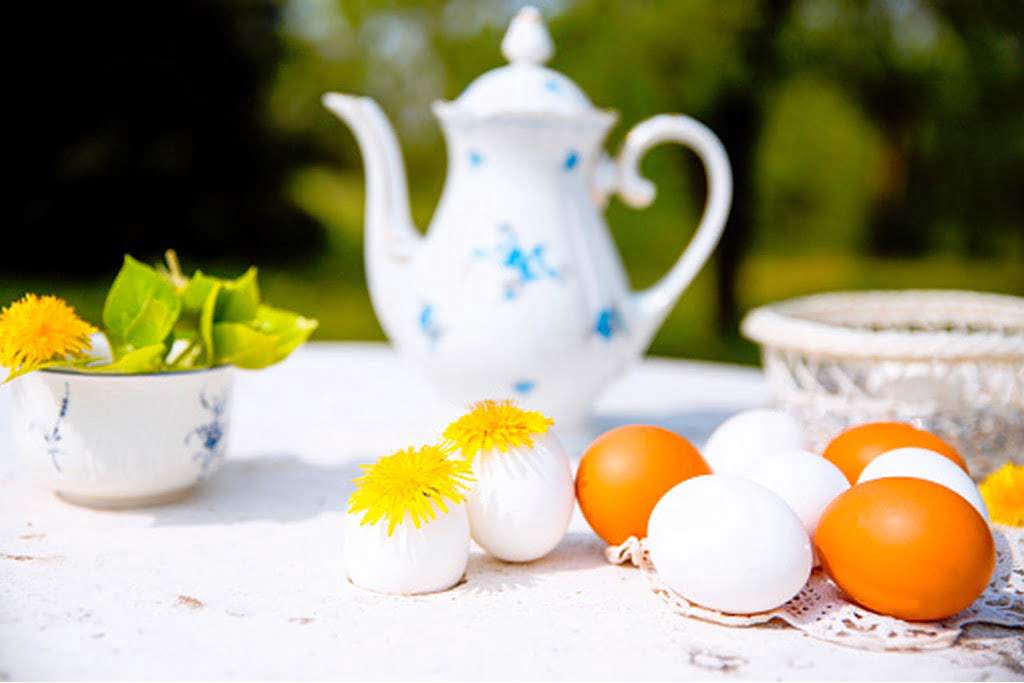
(209,436)
(52,435)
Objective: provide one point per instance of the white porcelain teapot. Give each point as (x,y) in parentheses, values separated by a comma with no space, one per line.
(517,290)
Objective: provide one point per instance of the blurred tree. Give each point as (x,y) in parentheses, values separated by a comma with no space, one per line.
(141,126)
(944,83)
(885,126)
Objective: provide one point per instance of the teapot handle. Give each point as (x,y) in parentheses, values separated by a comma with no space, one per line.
(652,305)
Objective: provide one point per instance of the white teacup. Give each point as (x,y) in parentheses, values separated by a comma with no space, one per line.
(115,441)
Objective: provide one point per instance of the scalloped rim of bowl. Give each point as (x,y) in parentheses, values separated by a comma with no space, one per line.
(798,325)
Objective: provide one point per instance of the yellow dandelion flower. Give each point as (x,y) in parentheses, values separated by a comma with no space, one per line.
(416,482)
(495,424)
(37,330)
(1003,491)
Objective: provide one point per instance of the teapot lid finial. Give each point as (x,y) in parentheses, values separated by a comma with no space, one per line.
(527,39)
(524,86)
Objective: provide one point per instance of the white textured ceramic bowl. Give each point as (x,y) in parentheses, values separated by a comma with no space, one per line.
(949,362)
(115,441)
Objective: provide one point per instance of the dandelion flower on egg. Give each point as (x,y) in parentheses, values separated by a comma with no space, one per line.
(35,331)
(523,499)
(495,425)
(383,551)
(1003,491)
(415,481)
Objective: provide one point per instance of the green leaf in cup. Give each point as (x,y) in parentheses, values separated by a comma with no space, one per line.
(141,308)
(291,329)
(206,321)
(195,293)
(239,299)
(269,339)
(147,359)
(241,345)
(162,321)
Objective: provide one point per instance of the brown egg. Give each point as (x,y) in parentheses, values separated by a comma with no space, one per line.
(626,471)
(854,448)
(906,548)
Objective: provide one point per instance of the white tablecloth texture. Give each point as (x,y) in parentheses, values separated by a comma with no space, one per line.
(244,579)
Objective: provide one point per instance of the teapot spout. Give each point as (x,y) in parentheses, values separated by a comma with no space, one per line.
(390,235)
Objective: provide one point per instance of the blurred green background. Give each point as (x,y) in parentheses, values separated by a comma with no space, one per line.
(875,143)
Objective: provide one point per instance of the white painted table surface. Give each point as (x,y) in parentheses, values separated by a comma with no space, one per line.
(244,579)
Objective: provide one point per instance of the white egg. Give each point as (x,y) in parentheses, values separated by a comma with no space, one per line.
(523,499)
(921,463)
(728,544)
(805,480)
(750,436)
(425,560)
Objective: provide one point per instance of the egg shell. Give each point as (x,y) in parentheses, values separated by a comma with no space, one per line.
(921,463)
(729,544)
(853,448)
(750,436)
(805,480)
(625,472)
(410,561)
(907,548)
(521,504)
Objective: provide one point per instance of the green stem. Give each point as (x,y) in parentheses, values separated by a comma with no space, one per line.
(174,269)
(192,346)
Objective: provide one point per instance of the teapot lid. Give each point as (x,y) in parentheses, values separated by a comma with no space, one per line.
(524,85)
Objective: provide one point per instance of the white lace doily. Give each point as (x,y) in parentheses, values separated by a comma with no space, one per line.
(821,611)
